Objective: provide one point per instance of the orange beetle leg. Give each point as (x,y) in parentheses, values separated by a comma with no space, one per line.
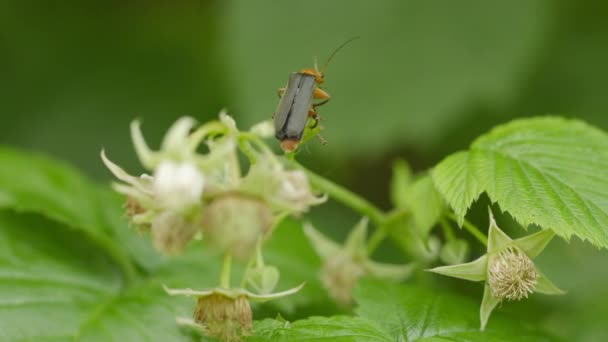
(320,94)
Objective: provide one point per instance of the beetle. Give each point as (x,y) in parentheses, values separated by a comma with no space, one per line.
(296,103)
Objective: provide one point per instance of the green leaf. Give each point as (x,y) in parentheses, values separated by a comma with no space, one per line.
(424,203)
(545,171)
(57,284)
(337,328)
(34,183)
(414,314)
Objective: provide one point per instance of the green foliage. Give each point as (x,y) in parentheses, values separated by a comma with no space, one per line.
(544,171)
(390,312)
(69,263)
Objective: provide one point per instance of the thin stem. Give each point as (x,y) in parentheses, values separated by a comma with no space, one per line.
(376,239)
(447,229)
(246,273)
(345,196)
(248,150)
(471,228)
(225,276)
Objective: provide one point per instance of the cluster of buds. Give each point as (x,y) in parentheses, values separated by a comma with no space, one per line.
(188,193)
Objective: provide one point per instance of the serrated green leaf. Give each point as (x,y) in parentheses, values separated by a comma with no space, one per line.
(414,314)
(336,328)
(545,171)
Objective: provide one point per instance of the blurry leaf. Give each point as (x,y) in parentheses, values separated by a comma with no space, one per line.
(336,328)
(57,285)
(454,252)
(34,183)
(424,203)
(544,171)
(415,314)
(402,177)
(417,67)
(404,233)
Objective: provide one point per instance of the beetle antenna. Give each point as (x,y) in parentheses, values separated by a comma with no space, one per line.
(335,52)
(316,64)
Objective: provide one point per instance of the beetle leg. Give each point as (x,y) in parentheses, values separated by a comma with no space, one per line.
(321,139)
(280,92)
(320,94)
(315,105)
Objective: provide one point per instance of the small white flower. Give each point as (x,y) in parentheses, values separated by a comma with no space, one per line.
(178,186)
(285,190)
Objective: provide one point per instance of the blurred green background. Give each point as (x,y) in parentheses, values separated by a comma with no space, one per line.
(425,79)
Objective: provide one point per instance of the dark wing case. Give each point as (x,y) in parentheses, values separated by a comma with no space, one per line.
(292,111)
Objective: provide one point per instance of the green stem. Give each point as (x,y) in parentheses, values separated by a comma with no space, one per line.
(447,229)
(471,228)
(345,196)
(225,276)
(247,149)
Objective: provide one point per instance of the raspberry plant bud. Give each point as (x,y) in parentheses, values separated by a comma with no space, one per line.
(511,274)
(171,232)
(344,264)
(507,269)
(225,313)
(223,317)
(235,222)
(339,276)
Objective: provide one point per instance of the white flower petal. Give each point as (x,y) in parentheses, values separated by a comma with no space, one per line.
(176,139)
(145,155)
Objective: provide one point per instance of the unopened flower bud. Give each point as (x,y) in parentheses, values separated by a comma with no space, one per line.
(171,232)
(235,223)
(223,317)
(339,275)
(295,190)
(511,274)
